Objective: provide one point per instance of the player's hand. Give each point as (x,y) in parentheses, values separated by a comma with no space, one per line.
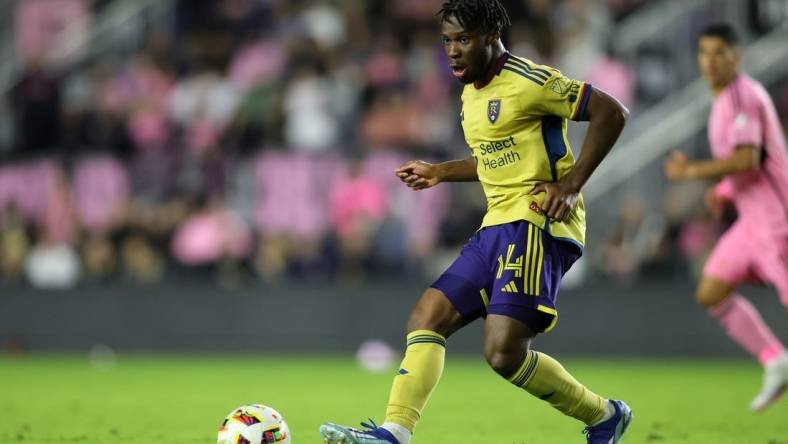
(714,203)
(677,166)
(418,174)
(559,200)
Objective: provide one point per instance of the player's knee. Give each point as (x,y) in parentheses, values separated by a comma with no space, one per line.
(435,313)
(429,320)
(504,356)
(419,320)
(504,362)
(709,295)
(702,298)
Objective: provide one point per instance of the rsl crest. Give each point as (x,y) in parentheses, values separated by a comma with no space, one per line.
(493,110)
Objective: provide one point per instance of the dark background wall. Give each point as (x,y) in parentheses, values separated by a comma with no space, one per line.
(656,317)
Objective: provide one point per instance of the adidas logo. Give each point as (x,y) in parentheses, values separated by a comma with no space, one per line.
(511,287)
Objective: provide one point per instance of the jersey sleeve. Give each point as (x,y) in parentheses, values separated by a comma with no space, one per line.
(747,129)
(747,126)
(559,96)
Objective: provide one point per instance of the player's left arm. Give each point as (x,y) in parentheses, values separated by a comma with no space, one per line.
(606,117)
(744,158)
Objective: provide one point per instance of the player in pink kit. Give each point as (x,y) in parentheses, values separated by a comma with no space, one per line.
(751,159)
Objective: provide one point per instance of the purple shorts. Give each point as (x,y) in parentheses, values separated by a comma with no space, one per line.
(513,270)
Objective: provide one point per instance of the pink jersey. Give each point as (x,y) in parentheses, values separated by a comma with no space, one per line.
(743,114)
(756,246)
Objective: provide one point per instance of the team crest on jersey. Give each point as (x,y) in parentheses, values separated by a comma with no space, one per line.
(560,86)
(493,110)
(740,121)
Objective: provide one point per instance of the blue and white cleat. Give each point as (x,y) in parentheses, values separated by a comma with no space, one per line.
(337,434)
(610,431)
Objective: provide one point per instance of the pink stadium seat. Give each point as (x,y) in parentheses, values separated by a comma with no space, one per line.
(101,191)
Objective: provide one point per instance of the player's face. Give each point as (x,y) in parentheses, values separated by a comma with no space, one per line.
(468,52)
(718,60)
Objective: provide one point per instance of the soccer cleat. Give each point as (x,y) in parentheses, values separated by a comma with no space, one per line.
(775,383)
(337,434)
(610,431)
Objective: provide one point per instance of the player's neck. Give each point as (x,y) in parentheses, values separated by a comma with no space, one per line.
(718,88)
(493,65)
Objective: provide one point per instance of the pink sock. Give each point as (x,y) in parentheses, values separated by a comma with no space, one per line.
(745,326)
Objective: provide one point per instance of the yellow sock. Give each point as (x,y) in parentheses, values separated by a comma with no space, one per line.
(545,378)
(419,373)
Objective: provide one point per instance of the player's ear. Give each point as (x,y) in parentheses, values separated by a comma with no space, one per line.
(493,37)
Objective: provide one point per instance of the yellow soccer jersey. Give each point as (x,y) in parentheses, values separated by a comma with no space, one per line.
(515,127)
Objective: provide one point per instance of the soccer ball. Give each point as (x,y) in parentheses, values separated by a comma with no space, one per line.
(254,424)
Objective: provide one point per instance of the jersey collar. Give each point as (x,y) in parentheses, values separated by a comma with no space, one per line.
(494,71)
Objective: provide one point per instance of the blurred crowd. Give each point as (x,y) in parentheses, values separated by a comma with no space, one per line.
(257,139)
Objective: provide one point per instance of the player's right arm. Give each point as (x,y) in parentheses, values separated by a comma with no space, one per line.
(419,175)
(746,158)
(746,131)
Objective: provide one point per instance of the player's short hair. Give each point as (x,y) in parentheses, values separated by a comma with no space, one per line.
(476,15)
(723,31)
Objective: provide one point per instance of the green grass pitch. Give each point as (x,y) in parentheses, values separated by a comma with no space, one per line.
(182,399)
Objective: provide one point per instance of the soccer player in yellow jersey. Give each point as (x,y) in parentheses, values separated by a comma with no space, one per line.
(514,115)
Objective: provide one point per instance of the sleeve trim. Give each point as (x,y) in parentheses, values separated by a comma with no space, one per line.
(580,113)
